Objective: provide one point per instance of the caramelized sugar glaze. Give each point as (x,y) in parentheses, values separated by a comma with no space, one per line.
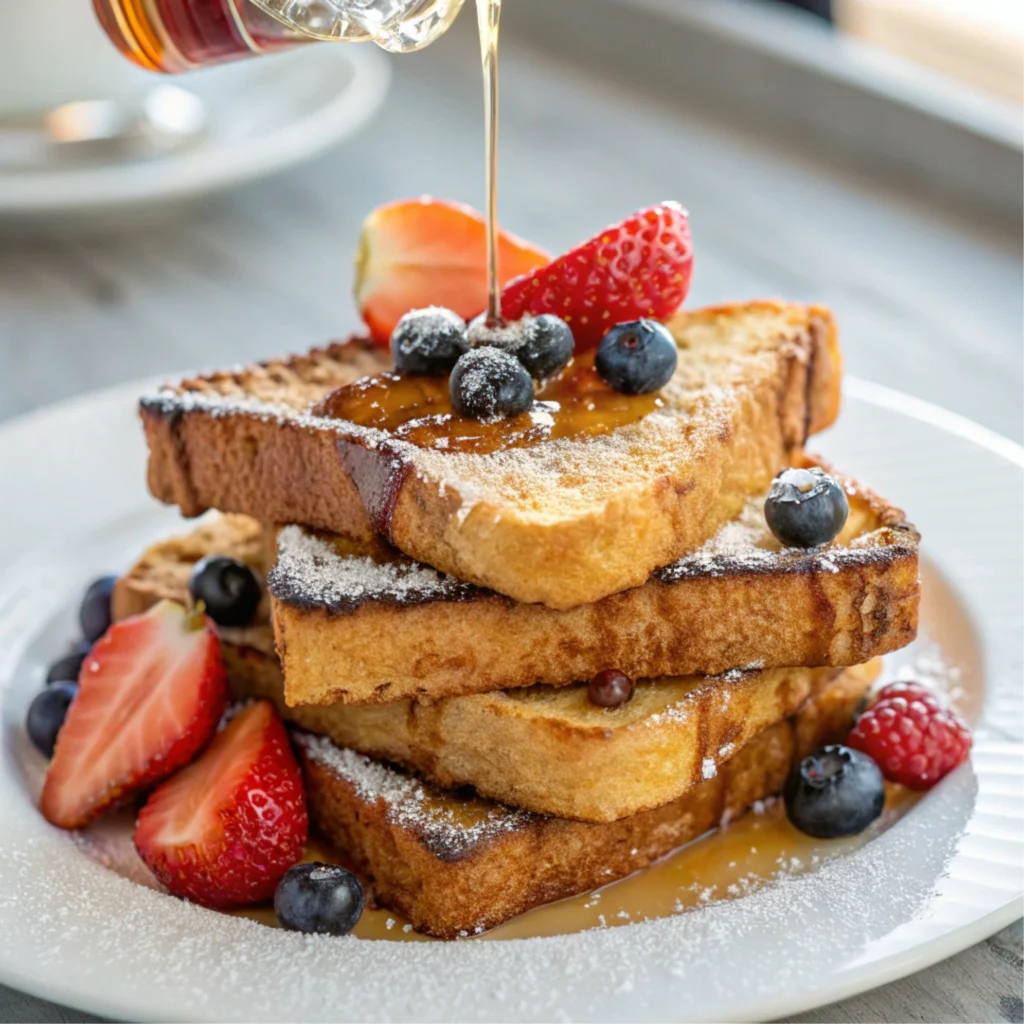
(574,403)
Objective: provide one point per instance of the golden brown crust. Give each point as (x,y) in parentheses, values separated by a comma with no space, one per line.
(448,888)
(562,524)
(553,752)
(239,459)
(445,650)
(546,749)
(725,608)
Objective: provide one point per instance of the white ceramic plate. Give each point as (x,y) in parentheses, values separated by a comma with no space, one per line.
(944,876)
(264,116)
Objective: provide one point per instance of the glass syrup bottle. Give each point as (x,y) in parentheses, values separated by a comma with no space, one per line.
(174,36)
(181,35)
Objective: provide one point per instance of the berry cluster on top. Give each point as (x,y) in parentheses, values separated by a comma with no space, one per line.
(493,367)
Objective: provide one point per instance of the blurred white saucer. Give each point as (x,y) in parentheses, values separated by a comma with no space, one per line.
(263,116)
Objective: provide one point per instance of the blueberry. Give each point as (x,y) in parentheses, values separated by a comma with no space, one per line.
(637,357)
(227,587)
(547,346)
(66,669)
(428,341)
(488,384)
(46,715)
(543,344)
(835,792)
(805,508)
(321,898)
(94,615)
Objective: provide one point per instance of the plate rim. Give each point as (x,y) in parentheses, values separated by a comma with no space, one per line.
(936,415)
(871,974)
(901,965)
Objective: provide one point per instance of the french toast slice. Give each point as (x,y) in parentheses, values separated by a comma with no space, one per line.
(457,865)
(560,522)
(740,600)
(553,752)
(546,749)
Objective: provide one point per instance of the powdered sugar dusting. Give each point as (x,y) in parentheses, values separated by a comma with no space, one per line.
(109,842)
(746,545)
(171,958)
(171,402)
(512,475)
(732,675)
(409,804)
(930,666)
(309,571)
(416,329)
(508,337)
(675,713)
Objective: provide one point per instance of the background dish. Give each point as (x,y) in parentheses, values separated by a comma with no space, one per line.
(263,118)
(945,876)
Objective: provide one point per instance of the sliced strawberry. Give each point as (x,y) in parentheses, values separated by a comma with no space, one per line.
(430,252)
(639,268)
(150,695)
(223,831)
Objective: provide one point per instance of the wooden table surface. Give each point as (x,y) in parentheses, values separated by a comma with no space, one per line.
(928,299)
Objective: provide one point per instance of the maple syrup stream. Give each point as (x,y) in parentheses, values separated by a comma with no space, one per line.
(488,18)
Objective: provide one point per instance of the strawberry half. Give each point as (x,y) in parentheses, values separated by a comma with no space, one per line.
(430,252)
(150,695)
(223,831)
(639,268)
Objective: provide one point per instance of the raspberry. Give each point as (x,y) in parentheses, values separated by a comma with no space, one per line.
(906,688)
(913,738)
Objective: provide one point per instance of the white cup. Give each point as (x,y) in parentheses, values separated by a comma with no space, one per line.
(54,51)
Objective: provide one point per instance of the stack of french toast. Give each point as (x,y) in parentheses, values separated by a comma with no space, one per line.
(524,654)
